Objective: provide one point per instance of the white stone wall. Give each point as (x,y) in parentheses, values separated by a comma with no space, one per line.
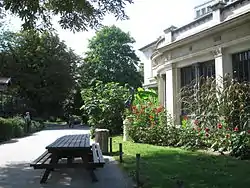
(210,41)
(218,45)
(147,65)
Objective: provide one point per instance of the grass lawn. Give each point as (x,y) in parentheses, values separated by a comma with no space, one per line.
(161,167)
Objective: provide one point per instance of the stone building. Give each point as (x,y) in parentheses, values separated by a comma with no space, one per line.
(216,42)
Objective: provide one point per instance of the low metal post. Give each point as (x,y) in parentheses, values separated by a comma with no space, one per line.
(138,157)
(110,145)
(121,153)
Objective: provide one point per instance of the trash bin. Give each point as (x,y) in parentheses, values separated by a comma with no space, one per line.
(101,137)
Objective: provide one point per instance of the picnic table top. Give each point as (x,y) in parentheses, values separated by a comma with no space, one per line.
(79,141)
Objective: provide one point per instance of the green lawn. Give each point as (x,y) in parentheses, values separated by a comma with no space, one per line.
(161,167)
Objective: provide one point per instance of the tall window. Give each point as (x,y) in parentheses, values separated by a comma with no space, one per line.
(241,66)
(194,72)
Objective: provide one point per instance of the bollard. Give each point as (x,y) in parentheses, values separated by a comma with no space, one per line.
(138,156)
(110,145)
(121,153)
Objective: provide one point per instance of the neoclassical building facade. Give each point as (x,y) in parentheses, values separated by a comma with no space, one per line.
(217,42)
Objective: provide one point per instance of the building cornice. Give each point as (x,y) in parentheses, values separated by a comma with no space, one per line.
(214,29)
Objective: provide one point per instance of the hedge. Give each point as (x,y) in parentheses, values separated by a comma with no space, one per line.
(15,127)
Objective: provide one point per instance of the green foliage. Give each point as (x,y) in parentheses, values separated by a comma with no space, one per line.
(15,127)
(110,58)
(226,104)
(146,110)
(211,103)
(41,68)
(104,105)
(6,129)
(18,125)
(216,119)
(74,15)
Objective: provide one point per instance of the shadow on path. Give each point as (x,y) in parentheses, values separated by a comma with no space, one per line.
(20,175)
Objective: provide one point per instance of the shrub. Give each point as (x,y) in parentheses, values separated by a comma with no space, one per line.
(104,105)
(223,109)
(146,110)
(36,126)
(18,125)
(14,127)
(6,129)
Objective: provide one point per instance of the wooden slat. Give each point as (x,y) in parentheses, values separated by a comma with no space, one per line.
(71,141)
(99,153)
(45,159)
(39,158)
(95,157)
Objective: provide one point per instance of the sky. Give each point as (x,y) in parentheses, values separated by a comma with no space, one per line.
(148,19)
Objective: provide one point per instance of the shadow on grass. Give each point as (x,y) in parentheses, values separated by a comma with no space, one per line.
(20,175)
(164,167)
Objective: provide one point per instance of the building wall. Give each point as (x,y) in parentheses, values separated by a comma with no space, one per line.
(147,65)
(217,45)
(211,41)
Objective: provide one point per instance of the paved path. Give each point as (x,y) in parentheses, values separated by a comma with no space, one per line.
(16,155)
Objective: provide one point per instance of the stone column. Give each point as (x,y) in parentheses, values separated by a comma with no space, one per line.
(161,91)
(223,64)
(172,87)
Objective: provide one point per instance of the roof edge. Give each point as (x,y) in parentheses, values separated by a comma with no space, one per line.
(148,45)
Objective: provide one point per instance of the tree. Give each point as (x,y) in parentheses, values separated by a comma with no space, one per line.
(104,105)
(76,15)
(110,58)
(42,70)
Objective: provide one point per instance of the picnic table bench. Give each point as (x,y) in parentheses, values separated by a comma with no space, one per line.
(70,147)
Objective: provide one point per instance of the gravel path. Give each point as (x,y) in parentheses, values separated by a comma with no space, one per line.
(16,155)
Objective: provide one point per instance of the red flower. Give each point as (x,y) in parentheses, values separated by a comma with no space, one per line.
(219,126)
(158,110)
(151,117)
(248,131)
(236,129)
(207,134)
(207,129)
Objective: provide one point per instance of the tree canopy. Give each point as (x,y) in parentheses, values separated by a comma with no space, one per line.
(111,58)
(42,70)
(75,15)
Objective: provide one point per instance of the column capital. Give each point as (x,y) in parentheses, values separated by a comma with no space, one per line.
(217,52)
(159,76)
(170,66)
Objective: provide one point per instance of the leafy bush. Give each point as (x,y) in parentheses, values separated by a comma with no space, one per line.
(6,129)
(18,125)
(146,110)
(104,105)
(36,126)
(215,117)
(223,109)
(14,127)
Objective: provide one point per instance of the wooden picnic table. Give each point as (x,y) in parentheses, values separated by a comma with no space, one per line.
(70,147)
